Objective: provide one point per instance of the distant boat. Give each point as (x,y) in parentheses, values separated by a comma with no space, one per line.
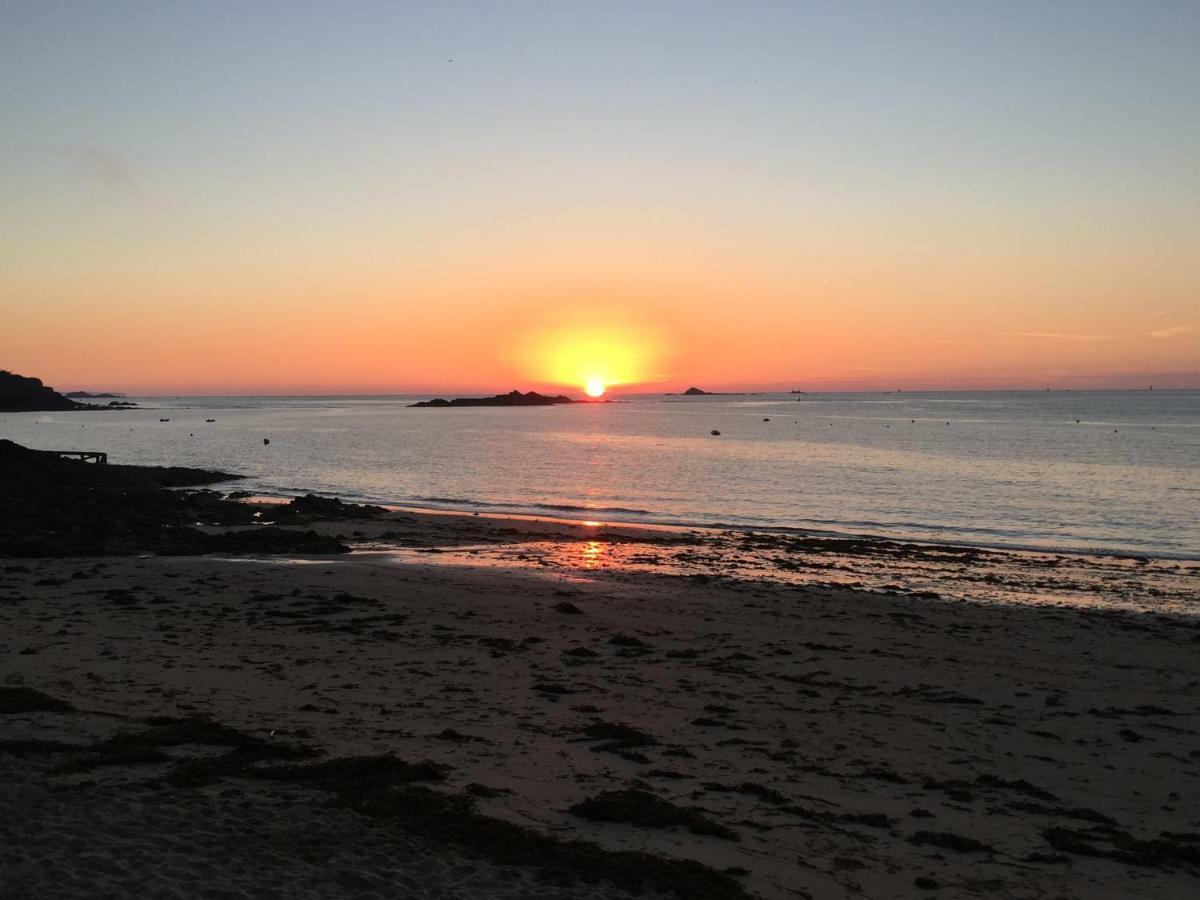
(210,420)
(164,420)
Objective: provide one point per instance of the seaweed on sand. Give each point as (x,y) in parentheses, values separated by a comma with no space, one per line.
(948,840)
(639,807)
(618,736)
(383,788)
(451,818)
(1165,851)
(27,700)
(355,773)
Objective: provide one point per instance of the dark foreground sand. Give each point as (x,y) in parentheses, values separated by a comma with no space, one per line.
(824,742)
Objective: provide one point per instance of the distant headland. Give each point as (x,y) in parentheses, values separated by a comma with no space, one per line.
(19,393)
(512,398)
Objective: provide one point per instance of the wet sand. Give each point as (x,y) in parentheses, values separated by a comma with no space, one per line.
(824,740)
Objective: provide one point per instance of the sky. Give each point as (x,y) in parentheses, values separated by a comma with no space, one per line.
(383,197)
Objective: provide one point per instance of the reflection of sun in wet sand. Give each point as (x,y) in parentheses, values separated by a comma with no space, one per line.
(592,554)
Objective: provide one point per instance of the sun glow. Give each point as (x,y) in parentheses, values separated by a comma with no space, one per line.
(593,356)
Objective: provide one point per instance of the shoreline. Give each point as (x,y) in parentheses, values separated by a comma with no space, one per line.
(720,714)
(513,512)
(956,572)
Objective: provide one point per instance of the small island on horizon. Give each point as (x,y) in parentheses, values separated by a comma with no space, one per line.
(700,392)
(512,398)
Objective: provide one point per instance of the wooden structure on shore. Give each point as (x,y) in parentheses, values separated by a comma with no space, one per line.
(88,456)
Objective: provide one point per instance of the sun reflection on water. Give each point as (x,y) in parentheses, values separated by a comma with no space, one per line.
(593,555)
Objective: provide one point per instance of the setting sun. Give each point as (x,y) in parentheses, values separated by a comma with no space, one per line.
(595,356)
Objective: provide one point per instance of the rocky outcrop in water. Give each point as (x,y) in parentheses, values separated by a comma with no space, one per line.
(512,398)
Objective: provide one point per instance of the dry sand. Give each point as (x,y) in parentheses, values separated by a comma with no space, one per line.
(855,744)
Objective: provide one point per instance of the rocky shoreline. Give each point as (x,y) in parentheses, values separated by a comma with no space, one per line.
(50,506)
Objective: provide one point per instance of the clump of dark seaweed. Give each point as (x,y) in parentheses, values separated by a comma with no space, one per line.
(1104,841)
(762,792)
(452,819)
(26,700)
(89,761)
(638,807)
(24,747)
(948,840)
(627,735)
(166,731)
(350,773)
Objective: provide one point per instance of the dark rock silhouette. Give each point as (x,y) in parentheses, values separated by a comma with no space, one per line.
(333,508)
(51,506)
(85,395)
(19,393)
(512,398)
(699,392)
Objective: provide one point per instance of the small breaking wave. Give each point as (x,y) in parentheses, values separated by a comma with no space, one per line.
(460,502)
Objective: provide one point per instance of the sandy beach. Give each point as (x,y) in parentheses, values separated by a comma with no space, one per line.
(798,740)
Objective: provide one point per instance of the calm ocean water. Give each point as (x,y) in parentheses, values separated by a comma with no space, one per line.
(1109,471)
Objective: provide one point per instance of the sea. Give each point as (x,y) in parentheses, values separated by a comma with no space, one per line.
(1097,472)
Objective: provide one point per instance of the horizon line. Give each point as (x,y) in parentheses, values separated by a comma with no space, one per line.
(1149,388)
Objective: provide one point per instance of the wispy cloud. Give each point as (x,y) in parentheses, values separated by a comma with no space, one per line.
(104,166)
(1173,331)
(1060,338)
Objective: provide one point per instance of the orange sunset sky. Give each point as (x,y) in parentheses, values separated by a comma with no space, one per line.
(390,199)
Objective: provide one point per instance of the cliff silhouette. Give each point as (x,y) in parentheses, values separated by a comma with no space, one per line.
(20,393)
